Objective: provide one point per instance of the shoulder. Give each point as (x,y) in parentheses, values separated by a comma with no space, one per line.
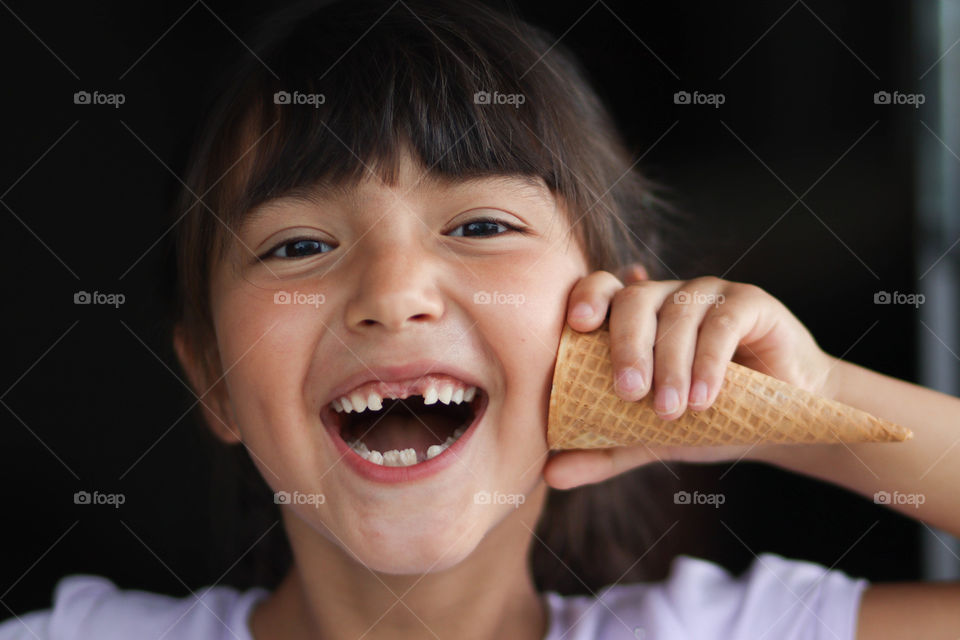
(89,606)
(774,598)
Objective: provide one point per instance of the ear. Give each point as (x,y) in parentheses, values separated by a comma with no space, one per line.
(634,272)
(214,404)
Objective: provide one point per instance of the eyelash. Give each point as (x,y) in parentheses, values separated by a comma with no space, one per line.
(270,253)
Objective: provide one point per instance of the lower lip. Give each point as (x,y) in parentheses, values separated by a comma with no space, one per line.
(396,475)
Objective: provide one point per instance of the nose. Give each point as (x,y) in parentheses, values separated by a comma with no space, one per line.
(396,286)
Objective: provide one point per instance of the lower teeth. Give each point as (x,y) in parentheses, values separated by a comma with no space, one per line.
(404,457)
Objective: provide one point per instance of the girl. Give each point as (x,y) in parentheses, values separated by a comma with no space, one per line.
(390,213)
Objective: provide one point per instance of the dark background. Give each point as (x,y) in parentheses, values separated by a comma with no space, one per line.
(87,390)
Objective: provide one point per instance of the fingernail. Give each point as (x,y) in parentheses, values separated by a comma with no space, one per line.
(630,380)
(667,400)
(698,394)
(582,310)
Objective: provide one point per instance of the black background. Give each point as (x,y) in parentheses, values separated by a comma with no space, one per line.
(88,391)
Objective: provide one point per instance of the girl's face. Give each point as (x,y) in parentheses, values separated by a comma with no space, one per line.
(384,277)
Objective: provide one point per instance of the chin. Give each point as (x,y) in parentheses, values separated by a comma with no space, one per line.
(429,563)
(418,553)
(416,540)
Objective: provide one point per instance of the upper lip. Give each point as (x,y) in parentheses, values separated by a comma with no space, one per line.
(398,373)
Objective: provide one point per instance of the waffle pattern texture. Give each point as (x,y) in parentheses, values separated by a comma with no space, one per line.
(586,413)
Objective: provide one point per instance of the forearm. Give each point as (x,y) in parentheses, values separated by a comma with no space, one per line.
(926,467)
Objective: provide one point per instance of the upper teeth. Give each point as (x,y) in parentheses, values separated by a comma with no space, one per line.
(444,392)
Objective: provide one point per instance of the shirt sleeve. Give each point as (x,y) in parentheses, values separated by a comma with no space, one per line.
(775,598)
(90,606)
(29,626)
(73,599)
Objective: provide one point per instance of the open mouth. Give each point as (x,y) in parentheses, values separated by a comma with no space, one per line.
(408,430)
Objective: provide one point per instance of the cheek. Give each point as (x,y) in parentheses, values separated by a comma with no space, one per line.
(266,350)
(525,331)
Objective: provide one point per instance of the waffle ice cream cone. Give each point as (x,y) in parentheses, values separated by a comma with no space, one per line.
(586,413)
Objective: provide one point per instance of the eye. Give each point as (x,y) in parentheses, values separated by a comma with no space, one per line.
(306,247)
(296,248)
(482,226)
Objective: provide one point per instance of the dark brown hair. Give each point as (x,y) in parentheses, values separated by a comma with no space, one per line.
(414,75)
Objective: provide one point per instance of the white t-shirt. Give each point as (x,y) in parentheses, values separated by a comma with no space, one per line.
(775,599)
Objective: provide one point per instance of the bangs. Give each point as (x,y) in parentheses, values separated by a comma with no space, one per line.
(335,94)
(358,89)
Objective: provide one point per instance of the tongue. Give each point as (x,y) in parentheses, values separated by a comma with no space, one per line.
(401,430)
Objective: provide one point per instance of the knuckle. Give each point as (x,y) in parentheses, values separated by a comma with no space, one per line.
(596,278)
(708,361)
(707,282)
(749,290)
(679,311)
(628,350)
(668,358)
(633,336)
(722,321)
(607,277)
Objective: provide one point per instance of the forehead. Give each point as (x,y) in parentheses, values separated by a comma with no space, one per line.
(409,182)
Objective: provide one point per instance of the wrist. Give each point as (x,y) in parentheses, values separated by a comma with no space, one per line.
(834,380)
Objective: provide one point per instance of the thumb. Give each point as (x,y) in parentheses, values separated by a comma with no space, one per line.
(569,469)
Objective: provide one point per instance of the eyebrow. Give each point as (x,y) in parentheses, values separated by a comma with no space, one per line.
(316,194)
(312,194)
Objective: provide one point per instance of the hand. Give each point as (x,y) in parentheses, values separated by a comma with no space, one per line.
(681,335)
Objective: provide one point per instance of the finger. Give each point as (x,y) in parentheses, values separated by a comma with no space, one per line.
(569,469)
(720,334)
(590,298)
(633,326)
(633,272)
(677,327)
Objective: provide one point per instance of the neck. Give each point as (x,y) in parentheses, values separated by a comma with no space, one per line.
(328,594)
